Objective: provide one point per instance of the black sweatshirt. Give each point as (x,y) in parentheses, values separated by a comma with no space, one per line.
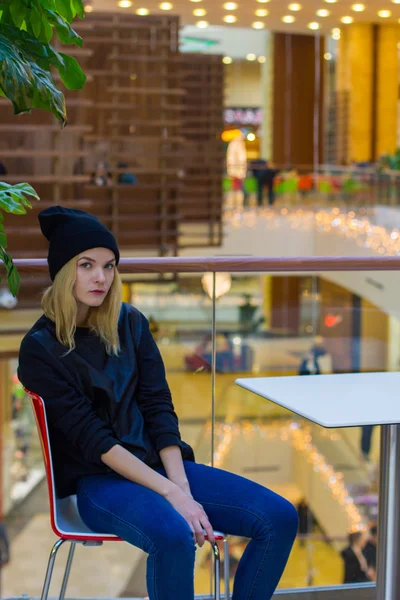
(95,401)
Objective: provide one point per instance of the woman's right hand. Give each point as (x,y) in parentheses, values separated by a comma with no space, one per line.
(193,513)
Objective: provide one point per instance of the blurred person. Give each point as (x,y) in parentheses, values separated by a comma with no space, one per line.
(4,545)
(115,434)
(265,175)
(4,550)
(154,327)
(311,363)
(370,550)
(101,175)
(236,165)
(126,178)
(366,441)
(356,568)
(305,520)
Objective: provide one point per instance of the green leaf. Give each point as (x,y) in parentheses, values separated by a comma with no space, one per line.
(13,278)
(71,74)
(25,83)
(48,4)
(35,19)
(18,11)
(26,189)
(78,8)
(12,198)
(63,7)
(64,30)
(47,31)
(3,240)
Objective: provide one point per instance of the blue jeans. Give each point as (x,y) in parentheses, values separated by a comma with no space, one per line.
(112,504)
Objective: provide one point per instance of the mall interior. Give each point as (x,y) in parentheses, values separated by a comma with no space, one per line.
(236,130)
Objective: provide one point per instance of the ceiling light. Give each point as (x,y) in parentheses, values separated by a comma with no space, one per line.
(313,25)
(262,59)
(263,1)
(347,20)
(336,33)
(143,12)
(251,137)
(230,19)
(195,0)
(230,5)
(251,57)
(295,6)
(258,25)
(288,19)
(331,1)
(359,7)
(199,12)
(166,6)
(323,12)
(385,14)
(202,24)
(227,60)
(261,12)
(328,56)
(88,8)
(396,1)
(124,3)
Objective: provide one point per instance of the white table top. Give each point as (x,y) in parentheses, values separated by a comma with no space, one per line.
(348,400)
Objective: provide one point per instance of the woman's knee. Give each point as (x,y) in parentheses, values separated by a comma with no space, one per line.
(174,538)
(277,517)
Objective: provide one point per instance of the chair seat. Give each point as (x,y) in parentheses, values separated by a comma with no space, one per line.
(69,525)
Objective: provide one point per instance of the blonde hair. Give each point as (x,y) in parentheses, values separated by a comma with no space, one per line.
(59,305)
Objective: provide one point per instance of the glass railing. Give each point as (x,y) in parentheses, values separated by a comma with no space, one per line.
(216,320)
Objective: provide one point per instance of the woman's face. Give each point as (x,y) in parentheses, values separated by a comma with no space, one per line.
(94,275)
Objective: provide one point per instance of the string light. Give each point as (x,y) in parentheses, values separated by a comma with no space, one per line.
(300,437)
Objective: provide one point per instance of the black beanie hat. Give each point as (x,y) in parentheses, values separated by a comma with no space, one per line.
(71,232)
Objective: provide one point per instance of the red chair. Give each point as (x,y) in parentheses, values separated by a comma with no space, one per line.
(69,527)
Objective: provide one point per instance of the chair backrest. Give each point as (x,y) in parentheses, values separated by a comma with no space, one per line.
(41,422)
(64,515)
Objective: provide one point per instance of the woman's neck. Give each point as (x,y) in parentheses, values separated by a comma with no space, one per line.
(82,315)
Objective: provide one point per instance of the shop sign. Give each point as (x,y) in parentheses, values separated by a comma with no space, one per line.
(243,116)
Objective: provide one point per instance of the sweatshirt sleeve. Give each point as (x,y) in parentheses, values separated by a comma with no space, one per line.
(69,412)
(153,393)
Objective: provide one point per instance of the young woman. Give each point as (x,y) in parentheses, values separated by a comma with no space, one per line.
(114,433)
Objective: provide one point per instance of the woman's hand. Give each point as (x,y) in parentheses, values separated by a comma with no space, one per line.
(193,513)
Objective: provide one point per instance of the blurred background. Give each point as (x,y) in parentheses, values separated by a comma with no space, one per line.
(247,128)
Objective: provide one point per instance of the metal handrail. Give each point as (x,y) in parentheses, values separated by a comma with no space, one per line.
(237,264)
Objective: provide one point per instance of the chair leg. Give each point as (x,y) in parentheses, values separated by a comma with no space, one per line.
(217,567)
(67,571)
(226,569)
(50,566)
